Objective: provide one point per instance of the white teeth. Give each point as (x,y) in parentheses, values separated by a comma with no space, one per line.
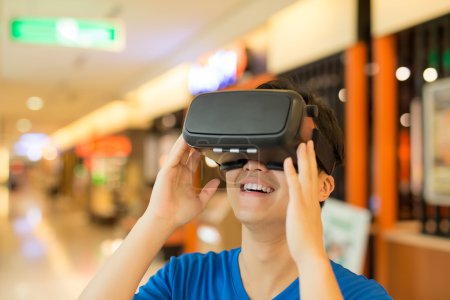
(257,187)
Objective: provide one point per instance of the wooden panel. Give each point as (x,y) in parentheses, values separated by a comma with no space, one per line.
(417,273)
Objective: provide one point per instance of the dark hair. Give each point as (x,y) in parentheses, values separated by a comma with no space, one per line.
(326,122)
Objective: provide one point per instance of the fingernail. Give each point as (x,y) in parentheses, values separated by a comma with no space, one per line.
(288,162)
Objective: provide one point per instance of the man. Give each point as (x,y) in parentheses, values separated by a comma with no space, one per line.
(282,255)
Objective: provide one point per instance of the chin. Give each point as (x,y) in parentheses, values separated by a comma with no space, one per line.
(256,209)
(251,217)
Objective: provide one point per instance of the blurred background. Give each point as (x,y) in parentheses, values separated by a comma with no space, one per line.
(93,95)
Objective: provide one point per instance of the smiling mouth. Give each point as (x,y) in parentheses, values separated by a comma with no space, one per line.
(254,187)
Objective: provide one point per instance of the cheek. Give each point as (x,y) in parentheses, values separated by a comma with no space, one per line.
(282,182)
(283,190)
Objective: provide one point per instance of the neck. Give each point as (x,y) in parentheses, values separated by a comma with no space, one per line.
(262,244)
(265,261)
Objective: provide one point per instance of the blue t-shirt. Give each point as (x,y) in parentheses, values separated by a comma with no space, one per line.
(217,276)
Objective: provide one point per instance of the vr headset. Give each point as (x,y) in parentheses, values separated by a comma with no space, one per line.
(232,127)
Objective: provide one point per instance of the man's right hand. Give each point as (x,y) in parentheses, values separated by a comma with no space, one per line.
(173,203)
(174,199)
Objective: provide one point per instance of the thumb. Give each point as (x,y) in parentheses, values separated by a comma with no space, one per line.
(208,191)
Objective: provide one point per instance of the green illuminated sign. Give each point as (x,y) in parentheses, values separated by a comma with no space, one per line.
(103,34)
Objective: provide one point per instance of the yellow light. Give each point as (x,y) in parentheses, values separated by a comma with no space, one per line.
(23,125)
(405,120)
(4,201)
(157,97)
(50,152)
(164,94)
(109,119)
(4,165)
(35,103)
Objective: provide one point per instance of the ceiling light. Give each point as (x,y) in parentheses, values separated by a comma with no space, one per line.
(430,74)
(402,73)
(23,125)
(342,95)
(50,152)
(405,120)
(35,103)
(34,153)
(30,141)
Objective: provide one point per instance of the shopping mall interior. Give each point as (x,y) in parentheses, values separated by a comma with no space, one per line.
(94,94)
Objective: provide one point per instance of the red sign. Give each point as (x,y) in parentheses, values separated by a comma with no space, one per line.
(110,146)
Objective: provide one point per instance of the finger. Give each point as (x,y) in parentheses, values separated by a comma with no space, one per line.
(308,174)
(208,191)
(302,162)
(194,160)
(295,187)
(311,153)
(289,172)
(185,156)
(305,176)
(178,152)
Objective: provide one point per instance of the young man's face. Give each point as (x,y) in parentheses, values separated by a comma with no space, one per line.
(257,194)
(260,196)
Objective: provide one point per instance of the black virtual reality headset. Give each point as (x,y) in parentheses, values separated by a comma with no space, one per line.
(232,127)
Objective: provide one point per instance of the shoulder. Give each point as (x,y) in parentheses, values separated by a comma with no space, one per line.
(355,286)
(192,276)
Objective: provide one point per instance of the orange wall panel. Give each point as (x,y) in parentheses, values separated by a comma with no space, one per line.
(385,148)
(356,126)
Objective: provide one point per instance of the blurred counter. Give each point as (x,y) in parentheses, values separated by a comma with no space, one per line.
(419,265)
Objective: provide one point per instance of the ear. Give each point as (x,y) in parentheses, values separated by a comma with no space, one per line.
(326,183)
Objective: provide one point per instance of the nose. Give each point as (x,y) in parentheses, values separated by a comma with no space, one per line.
(253,165)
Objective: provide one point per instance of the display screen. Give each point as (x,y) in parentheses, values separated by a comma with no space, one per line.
(437,142)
